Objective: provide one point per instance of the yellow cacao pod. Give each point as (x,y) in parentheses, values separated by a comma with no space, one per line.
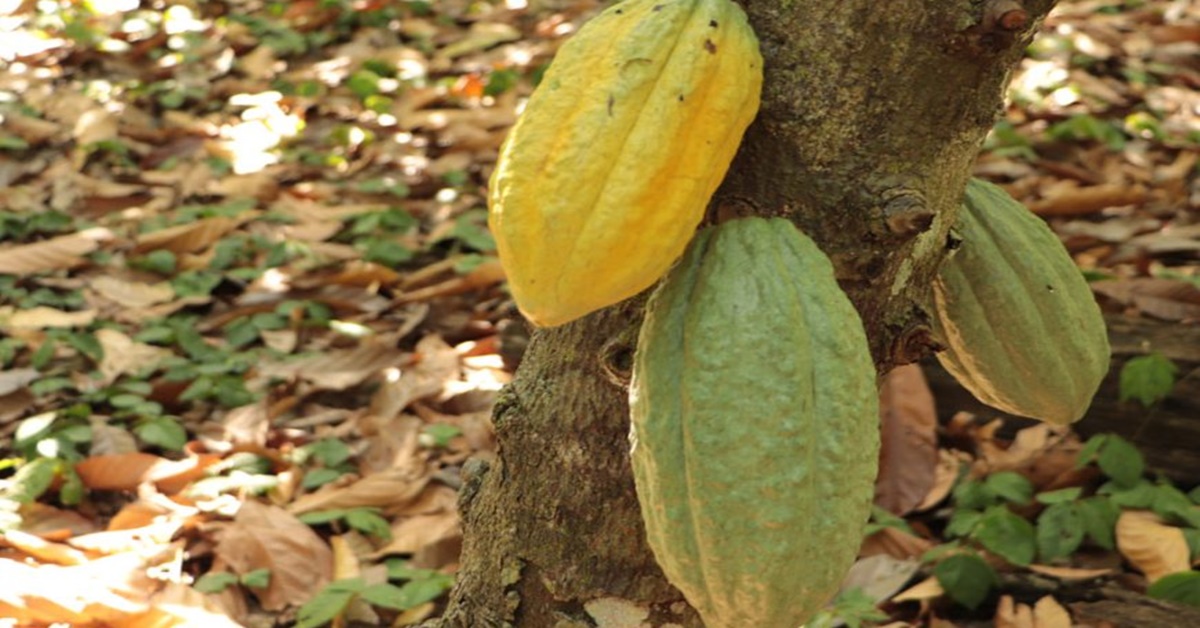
(601,183)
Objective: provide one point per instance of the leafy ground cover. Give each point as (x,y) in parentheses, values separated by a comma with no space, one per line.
(253,325)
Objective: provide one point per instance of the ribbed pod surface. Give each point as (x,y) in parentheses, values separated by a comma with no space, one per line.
(605,176)
(754,426)
(1022,330)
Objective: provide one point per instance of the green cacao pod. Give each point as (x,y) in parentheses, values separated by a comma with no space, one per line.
(754,426)
(1022,330)
(604,178)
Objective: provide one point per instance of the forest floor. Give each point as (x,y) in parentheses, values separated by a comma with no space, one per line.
(252,322)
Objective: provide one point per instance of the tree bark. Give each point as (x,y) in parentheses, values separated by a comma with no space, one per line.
(872,114)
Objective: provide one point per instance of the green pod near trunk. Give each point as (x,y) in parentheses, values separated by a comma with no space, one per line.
(754,426)
(1022,330)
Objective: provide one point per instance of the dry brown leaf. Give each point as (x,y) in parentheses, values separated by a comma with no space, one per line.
(123,354)
(102,590)
(190,237)
(43,550)
(415,533)
(262,185)
(16,379)
(53,254)
(46,521)
(110,439)
(136,515)
(246,425)
(125,472)
(153,536)
(435,364)
(1167,299)
(31,129)
(486,274)
(944,477)
(895,543)
(269,537)
(1025,449)
(1069,573)
(927,589)
(1089,200)
(879,576)
(95,125)
(391,443)
(179,606)
(1010,614)
(132,294)
(908,454)
(1154,548)
(311,231)
(480,36)
(42,317)
(1048,613)
(338,370)
(389,489)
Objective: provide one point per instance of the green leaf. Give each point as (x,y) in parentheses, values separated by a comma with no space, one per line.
(163,432)
(1059,531)
(12,142)
(1192,536)
(1011,486)
(72,490)
(195,283)
(399,569)
(161,261)
(966,578)
(1121,461)
(888,520)
(320,517)
(330,452)
(369,522)
(1173,505)
(412,594)
(363,83)
(215,581)
(87,344)
(1007,535)
(973,495)
(319,477)
(962,523)
(469,230)
(32,479)
(324,607)
(1183,588)
(1140,496)
(1147,378)
(257,579)
(1060,496)
(1099,515)
(439,434)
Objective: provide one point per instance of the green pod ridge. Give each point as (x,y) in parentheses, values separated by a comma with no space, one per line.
(754,426)
(1021,328)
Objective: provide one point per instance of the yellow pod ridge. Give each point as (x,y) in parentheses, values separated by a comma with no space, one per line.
(604,178)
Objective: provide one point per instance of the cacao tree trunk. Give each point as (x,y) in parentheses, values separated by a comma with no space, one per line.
(872,114)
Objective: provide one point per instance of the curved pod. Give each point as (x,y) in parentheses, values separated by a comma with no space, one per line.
(1022,330)
(754,426)
(606,174)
